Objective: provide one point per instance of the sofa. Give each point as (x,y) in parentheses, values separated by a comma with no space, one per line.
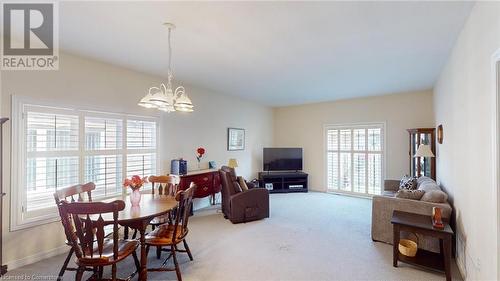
(384,205)
(240,204)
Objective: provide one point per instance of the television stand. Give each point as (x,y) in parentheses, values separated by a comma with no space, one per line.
(283,182)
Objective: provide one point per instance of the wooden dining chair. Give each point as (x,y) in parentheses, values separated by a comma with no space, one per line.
(76,193)
(84,224)
(172,234)
(162,185)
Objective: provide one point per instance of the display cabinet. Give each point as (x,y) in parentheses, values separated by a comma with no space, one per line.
(425,166)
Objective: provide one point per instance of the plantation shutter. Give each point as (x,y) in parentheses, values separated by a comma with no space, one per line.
(103,155)
(141,146)
(354,158)
(141,134)
(51,138)
(58,147)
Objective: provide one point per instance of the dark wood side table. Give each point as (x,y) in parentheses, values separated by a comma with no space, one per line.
(421,224)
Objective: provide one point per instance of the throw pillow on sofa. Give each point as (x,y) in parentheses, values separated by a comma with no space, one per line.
(410,194)
(237,187)
(243,183)
(423,180)
(434,196)
(408,183)
(433,192)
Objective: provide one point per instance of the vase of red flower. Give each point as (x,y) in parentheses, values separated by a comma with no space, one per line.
(135,183)
(200,151)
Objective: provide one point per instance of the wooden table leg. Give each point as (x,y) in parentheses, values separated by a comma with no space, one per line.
(395,251)
(143,275)
(447,257)
(125,232)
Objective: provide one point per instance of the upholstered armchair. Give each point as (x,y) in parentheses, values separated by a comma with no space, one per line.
(239,205)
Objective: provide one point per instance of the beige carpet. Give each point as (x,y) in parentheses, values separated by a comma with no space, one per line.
(313,236)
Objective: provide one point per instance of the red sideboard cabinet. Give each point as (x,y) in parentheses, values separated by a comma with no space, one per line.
(207,181)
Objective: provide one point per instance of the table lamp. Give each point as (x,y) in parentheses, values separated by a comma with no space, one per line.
(233,163)
(424,150)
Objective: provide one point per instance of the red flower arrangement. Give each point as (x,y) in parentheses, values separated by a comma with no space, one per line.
(135,182)
(200,152)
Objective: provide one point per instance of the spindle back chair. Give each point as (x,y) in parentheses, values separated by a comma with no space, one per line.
(170,235)
(84,225)
(80,191)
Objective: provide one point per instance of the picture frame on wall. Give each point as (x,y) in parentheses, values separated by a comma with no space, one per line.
(235,139)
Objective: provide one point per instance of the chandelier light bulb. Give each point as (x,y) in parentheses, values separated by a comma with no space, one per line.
(146,102)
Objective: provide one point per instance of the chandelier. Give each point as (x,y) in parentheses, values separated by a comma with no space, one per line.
(164,98)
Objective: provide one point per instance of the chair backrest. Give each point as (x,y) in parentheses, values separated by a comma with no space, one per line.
(227,188)
(229,181)
(185,199)
(84,227)
(72,191)
(167,185)
(68,194)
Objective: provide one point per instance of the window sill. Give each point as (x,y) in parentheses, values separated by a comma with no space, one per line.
(34,222)
(49,217)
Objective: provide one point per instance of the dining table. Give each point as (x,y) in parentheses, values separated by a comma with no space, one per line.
(138,217)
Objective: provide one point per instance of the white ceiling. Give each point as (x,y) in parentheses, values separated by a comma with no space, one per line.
(275,53)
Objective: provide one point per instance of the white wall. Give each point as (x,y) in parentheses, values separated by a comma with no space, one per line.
(91,84)
(463,103)
(302,126)
(207,127)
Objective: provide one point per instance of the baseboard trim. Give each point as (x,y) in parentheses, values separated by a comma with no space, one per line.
(37,257)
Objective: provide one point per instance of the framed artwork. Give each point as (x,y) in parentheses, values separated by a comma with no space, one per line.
(440,134)
(235,139)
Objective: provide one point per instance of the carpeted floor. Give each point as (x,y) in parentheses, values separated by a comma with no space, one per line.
(312,236)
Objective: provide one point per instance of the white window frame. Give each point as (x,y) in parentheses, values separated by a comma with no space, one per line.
(18,220)
(327,127)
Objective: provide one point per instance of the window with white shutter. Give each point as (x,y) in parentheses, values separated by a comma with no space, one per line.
(354,158)
(51,138)
(141,147)
(141,164)
(104,154)
(59,147)
(141,134)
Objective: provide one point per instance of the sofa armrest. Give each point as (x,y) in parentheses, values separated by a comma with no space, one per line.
(250,196)
(250,184)
(256,199)
(383,207)
(391,185)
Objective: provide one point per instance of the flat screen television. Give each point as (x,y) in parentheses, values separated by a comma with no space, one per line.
(282,159)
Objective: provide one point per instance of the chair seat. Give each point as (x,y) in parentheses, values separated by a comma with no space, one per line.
(125,248)
(163,236)
(159,220)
